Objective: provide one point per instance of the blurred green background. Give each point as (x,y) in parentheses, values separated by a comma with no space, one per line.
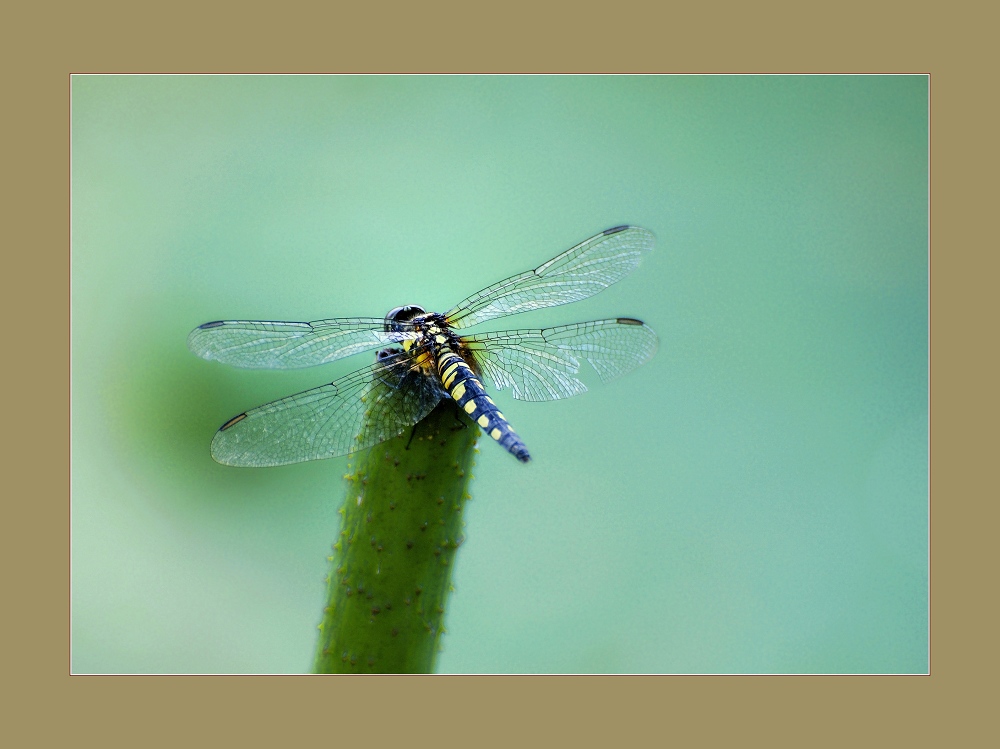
(752,500)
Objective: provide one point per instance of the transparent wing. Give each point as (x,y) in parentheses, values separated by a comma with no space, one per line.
(357,411)
(288,345)
(540,364)
(580,272)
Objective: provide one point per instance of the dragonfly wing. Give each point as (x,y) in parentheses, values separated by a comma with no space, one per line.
(357,411)
(288,345)
(580,272)
(541,365)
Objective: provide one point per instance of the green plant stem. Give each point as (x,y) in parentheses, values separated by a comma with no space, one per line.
(391,568)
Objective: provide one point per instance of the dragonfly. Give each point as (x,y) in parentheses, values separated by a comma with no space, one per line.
(422,359)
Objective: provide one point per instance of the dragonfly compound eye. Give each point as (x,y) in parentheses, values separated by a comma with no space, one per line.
(402,314)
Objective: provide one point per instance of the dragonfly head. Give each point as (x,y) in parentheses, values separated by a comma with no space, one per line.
(401,315)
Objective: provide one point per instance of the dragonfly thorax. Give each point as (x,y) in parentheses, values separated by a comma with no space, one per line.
(431,335)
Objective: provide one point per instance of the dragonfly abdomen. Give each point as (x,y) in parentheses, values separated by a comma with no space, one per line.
(466,388)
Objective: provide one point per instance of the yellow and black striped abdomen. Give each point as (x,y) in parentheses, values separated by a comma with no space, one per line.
(465,387)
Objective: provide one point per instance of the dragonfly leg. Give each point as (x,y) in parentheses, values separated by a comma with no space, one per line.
(413,432)
(459,424)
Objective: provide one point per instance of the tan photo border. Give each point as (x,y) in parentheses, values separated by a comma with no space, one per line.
(48,43)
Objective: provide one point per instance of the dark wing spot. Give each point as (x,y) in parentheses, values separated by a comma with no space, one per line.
(232,421)
(615,229)
(214,324)
(629,321)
